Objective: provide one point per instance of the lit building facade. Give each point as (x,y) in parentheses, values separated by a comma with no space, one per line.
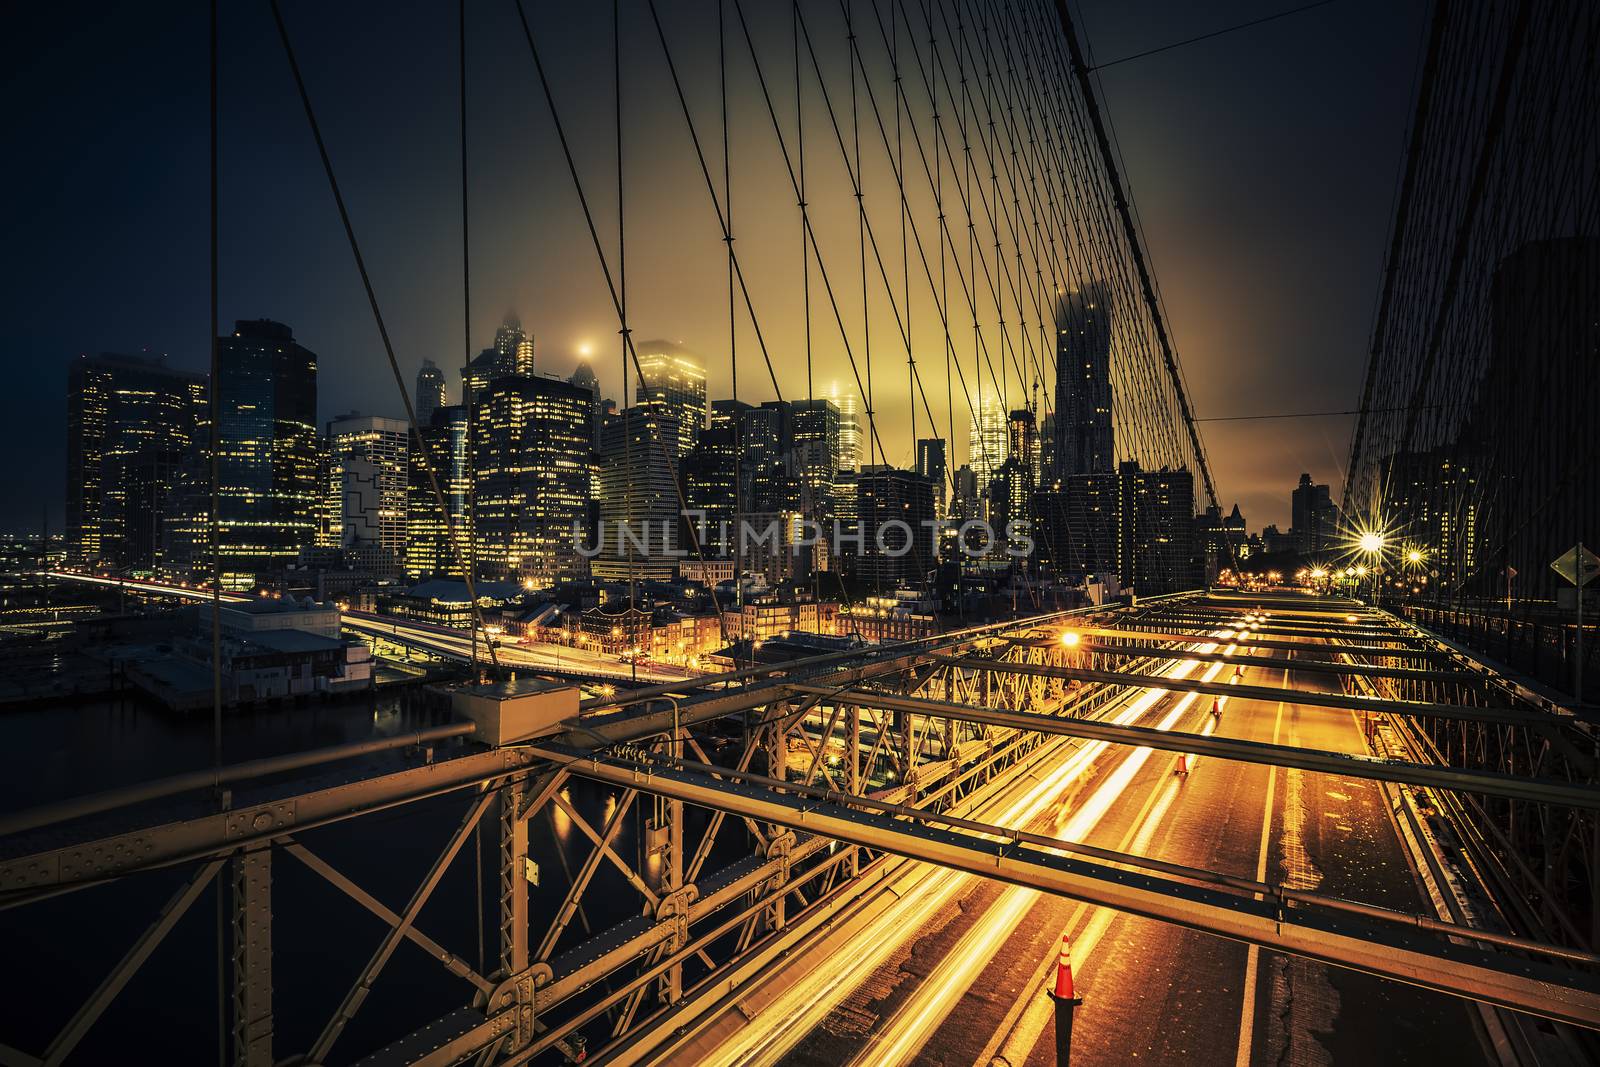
(884,555)
(672,385)
(267,461)
(131,421)
(931,464)
(814,450)
(1136,524)
(429,551)
(533,477)
(368,478)
(987,440)
(430,396)
(514,346)
(637,491)
(584,378)
(1085,440)
(849,429)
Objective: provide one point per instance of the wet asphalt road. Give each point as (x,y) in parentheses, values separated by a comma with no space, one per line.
(1161,995)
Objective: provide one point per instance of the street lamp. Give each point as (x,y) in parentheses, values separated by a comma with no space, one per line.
(1371,543)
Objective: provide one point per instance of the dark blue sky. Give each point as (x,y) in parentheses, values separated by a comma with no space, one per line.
(1262,163)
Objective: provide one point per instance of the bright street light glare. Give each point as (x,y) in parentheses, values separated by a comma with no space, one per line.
(1371,543)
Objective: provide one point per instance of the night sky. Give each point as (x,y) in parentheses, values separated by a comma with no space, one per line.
(1262,163)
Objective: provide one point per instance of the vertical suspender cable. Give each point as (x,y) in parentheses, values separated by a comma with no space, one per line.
(466,399)
(469,566)
(372,300)
(738,420)
(216,563)
(631,421)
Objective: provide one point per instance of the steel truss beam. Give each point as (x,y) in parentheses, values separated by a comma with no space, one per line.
(1193,637)
(90,1011)
(1561,994)
(1210,622)
(1293,663)
(1537,790)
(31,877)
(1509,716)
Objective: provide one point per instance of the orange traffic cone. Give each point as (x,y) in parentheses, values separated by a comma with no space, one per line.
(1064,970)
(1066,1002)
(1183,764)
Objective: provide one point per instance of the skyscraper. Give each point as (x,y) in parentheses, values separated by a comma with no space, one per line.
(430,392)
(760,435)
(898,554)
(429,550)
(1023,439)
(849,429)
(814,444)
(532,476)
(931,465)
(1136,524)
(514,346)
(130,423)
(638,495)
(267,459)
(1085,442)
(584,378)
(987,443)
(672,385)
(1315,526)
(368,475)
(511,353)
(710,485)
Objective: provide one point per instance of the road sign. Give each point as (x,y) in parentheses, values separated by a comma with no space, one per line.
(1578,565)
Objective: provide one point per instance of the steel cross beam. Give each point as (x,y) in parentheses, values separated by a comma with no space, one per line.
(1507,716)
(1293,663)
(1537,790)
(1561,994)
(1247,637)
(1204,622)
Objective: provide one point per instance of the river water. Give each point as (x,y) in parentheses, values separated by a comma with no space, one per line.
(58,950)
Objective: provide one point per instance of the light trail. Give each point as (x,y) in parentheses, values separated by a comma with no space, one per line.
(801,1008)
(900,1039)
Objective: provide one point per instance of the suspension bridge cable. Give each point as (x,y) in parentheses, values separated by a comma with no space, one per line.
(1214,33)
(372,301)
(606,273)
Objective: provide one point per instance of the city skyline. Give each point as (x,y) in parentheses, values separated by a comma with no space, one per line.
(851,531)
(161,311)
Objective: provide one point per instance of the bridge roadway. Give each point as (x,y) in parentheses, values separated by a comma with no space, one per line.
(957,973)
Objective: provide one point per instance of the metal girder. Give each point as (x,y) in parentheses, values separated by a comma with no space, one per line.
(1537,790)
(1204,622)
(1202,616)
(252,957)
(1510,716)
(1294,664)
(452,963)
(1191,638)
(391,939)
(1561,994)
(128,966)
(121,799)
(29,877)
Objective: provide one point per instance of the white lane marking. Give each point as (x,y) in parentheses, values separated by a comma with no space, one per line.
(1247,1015)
